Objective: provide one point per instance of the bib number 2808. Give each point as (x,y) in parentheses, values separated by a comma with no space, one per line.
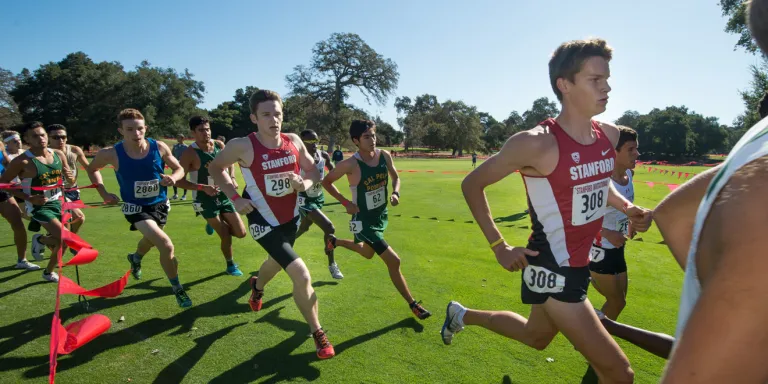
(542,280)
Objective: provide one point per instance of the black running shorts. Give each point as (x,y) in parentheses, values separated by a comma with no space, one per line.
(277,241)
(609,261)
(543,278)
(157,212)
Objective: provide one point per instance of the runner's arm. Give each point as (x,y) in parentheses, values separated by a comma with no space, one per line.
(306,163)
(328,162)
(229,155)
(392,172)
(342,168)
(67,173)
(659,344)
(187,162)
(512,157)
(171,161)
(104,157)
(611,132)
(80,156)
(676,214)
(15,169)
(726,339)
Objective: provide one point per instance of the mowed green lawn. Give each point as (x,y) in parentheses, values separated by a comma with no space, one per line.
(376,337)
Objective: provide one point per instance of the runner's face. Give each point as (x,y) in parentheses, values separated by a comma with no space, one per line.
(133,130)
(36,138)
(310,141)
(268,118)
(202,133)
(627,155)
(13,145)
(367,141)
(58,139)
(589,90)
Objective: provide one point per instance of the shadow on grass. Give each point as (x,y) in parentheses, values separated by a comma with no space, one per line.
(278,361)
(18,289)
(514,217)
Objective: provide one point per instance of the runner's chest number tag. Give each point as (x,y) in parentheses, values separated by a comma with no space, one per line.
(596,254)
(52,194)
(589,202)
(315,191)
(623,226)
(542,280)
(130,209)
(374,199)
(145,189)
(302,200)
(259,231)
(355,226)
(278,184)
(198,207)
(210,181)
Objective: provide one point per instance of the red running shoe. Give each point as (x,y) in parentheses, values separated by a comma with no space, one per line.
(255,300)
(323,346)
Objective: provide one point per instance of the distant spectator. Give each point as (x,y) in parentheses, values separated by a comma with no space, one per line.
(337,155)
(474,159)
(177,150)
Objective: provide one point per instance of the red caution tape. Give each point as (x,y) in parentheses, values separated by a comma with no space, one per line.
(84,256)
(81,332)
(113,289)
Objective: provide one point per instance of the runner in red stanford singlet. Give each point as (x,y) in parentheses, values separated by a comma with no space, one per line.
(267,184)
(567,206)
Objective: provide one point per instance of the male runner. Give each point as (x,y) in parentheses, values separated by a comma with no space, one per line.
(9,208)
(41,166)
(270,162)
(178,149)
(211,203)
(338,155)
(311,201)
(368,172)
(474,159)
(566,165)
(57,134)
(608,267)
(721,332)
(139,164)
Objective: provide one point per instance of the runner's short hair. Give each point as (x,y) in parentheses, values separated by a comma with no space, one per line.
(358,127)
(308,132)
(129,114)
(625,134)
(570,56)
(196,121)
(55,127)
(261,96)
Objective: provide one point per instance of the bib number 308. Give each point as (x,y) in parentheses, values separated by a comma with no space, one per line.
(542,280)
(589,202)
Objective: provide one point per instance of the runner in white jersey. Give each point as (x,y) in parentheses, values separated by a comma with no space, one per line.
(608,267)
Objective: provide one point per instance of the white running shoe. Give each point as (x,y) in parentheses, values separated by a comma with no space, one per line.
(38,248)
(184,197)
(53,277)
(24,264)
(175,197)
(454,315)
(335,272)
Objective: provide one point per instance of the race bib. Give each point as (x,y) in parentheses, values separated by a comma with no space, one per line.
(315,191)
(210,181)
(145,189)
(52,194)
(589,202)
(375,199)
(259,231)
(278,184)
(623,226)
(131,209)
(596,254)
(302,200)
(542,280)
(355,226)
(198,207)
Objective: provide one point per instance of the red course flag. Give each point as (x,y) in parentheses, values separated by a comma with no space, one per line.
(650,183)
(672,187)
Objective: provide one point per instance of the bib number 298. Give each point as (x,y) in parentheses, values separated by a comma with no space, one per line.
(542,280)
(278,184)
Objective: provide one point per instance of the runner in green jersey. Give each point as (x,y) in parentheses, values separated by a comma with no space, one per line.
(210,202)
(311,201)
(41,167)
(368,173)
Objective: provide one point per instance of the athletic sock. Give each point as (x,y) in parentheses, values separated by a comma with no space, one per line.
(175,284)
(412,304)
(231,263)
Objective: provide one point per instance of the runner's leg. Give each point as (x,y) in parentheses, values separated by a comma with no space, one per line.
(11,212)
(614,289)
(536,332)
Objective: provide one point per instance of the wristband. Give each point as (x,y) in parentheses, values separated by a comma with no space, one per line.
(497,242)
(396,193)
(345,203)
(626,206)
(235,197)
(199,187)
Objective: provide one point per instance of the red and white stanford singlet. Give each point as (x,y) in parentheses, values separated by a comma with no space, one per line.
(568,205)
(267,182)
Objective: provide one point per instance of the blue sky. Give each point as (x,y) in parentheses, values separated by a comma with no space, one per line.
(492,54)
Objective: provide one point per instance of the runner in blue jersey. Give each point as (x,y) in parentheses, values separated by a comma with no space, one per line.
(139,163)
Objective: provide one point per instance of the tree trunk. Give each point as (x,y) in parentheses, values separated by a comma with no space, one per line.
(331,144)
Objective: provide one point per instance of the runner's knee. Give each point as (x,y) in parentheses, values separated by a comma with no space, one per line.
(539,341)
(619,374)
(301,278)
(165,246)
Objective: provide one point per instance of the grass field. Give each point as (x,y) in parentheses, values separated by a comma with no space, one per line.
(376,337)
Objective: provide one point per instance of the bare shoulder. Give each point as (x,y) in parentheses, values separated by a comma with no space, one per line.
(611,130)
(162,145)
(60,153)
(217,143)
(76,149)
(294,138)
(347,164)
(535,139)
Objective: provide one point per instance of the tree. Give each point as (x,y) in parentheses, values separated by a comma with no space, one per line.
(541,110)
(386,134)
(340,64)
(233,118)
(736,11)
(9,111)
(628,119)
(414,117)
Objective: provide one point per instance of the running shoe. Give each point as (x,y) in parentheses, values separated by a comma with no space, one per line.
(452,324)
(135,266)
(420,311)
(255,300)
(335,272)
(322,345)
(234,270)
(182,298)
(25,264)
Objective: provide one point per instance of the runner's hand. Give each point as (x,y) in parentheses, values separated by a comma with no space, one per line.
(640,218)
(110,198)
(513,258)
(243,205)
(167,181)
(210,190)
(394,199)
(297,183)
(352,208)
(37,199)
(616,238)
(234,183)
